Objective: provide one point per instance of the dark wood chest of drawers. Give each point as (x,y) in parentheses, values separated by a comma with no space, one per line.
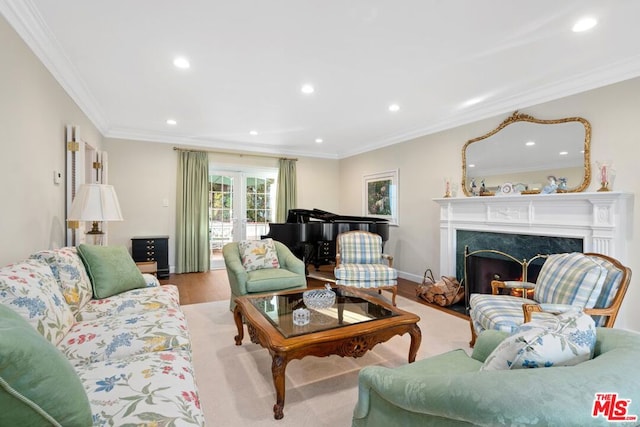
(152,248)
(326,252)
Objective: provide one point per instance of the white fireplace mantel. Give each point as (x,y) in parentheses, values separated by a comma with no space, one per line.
(602,220)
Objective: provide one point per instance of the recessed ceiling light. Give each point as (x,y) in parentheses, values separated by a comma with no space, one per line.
(394,107)
(584,24)
(530,143)
(171,122)
(473,101)
(318,140)
(564,153)
(307,89)
(181,62)
(253,132)
(472,165)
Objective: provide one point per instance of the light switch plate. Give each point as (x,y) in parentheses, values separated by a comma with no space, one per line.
(57,177)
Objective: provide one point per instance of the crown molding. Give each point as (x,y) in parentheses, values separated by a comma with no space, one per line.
(149,136)
(25,19)
(605,75)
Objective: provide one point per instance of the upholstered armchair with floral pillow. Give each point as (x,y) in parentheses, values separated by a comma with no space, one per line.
(261,266)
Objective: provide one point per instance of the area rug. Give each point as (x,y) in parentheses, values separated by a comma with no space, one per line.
(235,383)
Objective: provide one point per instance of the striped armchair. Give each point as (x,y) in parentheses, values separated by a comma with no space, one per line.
(360,263)
(593,282)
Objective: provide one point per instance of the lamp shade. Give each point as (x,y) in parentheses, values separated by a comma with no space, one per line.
(95,202)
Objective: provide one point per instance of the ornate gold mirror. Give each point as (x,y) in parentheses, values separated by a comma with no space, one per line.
(524,154)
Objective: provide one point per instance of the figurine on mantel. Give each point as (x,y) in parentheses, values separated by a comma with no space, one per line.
(562,186)
(551,187)
(474,187)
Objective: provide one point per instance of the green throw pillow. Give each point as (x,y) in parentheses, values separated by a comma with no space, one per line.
(38,385)
(111,270)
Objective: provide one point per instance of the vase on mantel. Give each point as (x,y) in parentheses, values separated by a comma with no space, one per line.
(607,175)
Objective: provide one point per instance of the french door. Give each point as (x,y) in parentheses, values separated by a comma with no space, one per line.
(241,206)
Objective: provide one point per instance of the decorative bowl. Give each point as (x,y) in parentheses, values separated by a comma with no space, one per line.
(319,298)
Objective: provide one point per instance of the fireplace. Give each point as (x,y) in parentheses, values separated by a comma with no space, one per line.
(519,246)
(598,222)
(482,268)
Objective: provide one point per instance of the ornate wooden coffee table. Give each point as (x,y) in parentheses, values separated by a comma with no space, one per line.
(351,327)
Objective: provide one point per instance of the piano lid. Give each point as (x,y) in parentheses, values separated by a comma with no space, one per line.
(304,215)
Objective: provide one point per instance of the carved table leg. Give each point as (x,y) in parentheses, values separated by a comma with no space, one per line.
(416,339)
(237,316)
(278,366)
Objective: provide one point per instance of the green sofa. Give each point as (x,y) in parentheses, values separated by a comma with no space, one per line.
(450,390)
(290,275)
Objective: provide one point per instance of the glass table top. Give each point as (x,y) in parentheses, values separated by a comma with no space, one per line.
(347,310)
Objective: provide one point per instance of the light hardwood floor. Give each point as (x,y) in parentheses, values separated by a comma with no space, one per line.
(213,285)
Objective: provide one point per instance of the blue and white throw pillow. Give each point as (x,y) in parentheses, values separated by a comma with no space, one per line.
(550,340)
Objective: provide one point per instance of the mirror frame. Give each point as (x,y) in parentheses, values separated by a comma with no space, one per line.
(520,117)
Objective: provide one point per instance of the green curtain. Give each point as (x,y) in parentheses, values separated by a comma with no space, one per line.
(287,193)
(192,216)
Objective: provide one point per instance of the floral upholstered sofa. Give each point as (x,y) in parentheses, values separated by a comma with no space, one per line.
(68,358)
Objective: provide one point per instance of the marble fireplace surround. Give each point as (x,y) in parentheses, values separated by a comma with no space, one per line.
(601,219)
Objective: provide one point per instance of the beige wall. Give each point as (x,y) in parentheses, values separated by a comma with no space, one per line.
(34,110)
(424,162)
(144,175)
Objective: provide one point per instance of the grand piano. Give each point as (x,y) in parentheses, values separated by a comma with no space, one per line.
(311,234)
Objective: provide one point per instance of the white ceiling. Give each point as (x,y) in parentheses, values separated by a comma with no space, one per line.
(249,59)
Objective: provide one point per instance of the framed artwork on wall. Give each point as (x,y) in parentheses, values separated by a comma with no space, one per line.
(380,195)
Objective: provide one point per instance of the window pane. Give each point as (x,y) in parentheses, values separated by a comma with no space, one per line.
(220,210)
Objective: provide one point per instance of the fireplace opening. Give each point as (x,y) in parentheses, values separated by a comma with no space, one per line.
(483,266)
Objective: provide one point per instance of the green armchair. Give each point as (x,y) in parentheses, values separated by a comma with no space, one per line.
(290,275)
(450,390)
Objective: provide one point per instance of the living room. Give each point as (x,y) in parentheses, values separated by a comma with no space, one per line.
(36,108)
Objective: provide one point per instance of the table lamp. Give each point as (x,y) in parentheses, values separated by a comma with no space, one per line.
(96,203)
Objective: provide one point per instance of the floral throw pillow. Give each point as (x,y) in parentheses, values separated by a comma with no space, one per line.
(563,340)
(31,290)
(258,254)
